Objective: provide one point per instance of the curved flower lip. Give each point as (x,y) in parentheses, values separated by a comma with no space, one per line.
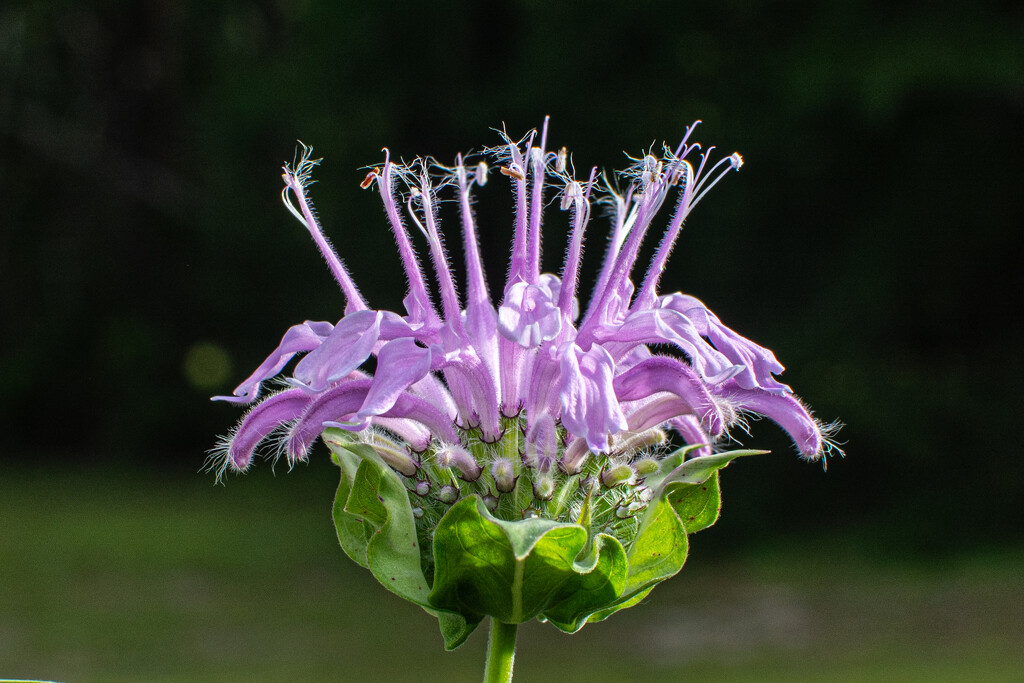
(463,363)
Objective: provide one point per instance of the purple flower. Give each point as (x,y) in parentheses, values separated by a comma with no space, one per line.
(464,371)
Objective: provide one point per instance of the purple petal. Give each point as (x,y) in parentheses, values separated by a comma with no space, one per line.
(305,337)
(666,326)
(347,347)
(415,408)
(333,405)
(413,433)
(588,401)
(541,443)
(758,363)
(529,315)
(786,411)
(662,373)
(689,427)
(400,363)
(264,418)
(658,411)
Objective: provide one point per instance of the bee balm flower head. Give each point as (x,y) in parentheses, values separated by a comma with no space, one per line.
(521,411)
(474,367)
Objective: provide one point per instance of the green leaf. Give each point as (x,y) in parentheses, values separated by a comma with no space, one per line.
(515,571)
(373,518)
(454,628)
(375,526)
(605,613)
(657,553)
(352,531)
(697,505)
(699,470)
(668,464)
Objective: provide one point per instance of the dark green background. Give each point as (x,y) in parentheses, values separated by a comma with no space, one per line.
(873,238)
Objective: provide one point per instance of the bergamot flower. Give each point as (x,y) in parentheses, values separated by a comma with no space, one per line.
(521,456)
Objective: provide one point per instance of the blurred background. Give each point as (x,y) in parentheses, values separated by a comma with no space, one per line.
(872,240)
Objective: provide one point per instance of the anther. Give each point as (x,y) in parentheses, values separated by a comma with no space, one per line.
(513,171)
(560,160)
(573,193)
(480,176)
(370,177)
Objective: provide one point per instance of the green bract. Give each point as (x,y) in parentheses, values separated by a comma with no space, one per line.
(471,563)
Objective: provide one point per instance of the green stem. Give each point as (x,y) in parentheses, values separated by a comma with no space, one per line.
(501,652)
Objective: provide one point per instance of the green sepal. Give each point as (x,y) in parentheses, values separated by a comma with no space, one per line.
(601,615)
(516,571)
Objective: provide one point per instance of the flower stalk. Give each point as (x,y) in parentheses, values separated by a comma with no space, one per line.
(501,652)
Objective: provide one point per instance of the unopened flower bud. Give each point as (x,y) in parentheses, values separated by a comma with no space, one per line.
(617,474)
(448,494)
(422,488)
(630,442)
(504,474)
(461,459)
(491,502)
(417,512)
(393,453)
(574,457)
(544,487)
(636,506)
(646,466)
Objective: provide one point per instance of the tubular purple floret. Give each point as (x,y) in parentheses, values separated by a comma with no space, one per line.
(266,416)
(596,387)
(541,443)
(647,207)
(476,281)
(575,456)
(458,457)
(574,252)
(537,164)
(295,182)
(446,284)
(413,271)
